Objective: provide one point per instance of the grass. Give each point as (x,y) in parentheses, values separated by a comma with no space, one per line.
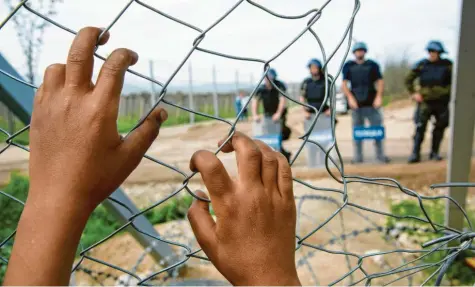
(23,138)
(126,123)
(458,273)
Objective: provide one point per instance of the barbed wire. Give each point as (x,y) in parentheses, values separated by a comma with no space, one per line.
(448,240)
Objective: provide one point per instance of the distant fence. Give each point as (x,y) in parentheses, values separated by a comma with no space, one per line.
(135,105)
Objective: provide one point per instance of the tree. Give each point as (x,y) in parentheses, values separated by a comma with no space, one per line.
(396,69)
(30,30)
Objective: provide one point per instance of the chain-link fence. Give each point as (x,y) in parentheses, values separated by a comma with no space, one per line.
(325,238)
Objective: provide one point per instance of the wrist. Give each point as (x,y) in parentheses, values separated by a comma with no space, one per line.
(48,203)
(48,235)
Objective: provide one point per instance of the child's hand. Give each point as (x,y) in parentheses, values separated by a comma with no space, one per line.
(77,159)
(77,155)
(253,240)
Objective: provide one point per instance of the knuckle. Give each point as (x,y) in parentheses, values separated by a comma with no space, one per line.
(269,159)
(112,67)
(253,153)
(54,69)
(148,130)
(285,170)
(77,56)
(286,174)
(117,62)
(211,165)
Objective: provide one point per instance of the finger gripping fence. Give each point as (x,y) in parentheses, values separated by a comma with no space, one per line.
(403,263)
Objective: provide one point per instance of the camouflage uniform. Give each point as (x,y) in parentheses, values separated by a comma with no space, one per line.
(435,79)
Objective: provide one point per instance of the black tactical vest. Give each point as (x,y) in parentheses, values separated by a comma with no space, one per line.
(362,83)
(315,92)
(435,74)
(270,98)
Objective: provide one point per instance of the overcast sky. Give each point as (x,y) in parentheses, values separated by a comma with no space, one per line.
(388,26)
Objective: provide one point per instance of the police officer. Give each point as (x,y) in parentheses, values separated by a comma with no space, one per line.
(274,104)
(365,97)
(313,89)
(435,79)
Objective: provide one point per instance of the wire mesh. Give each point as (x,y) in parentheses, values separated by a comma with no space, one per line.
(449,242)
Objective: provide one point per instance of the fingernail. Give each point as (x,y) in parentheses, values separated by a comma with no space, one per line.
(163,115)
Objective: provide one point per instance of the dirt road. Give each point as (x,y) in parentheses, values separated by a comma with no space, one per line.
(177,144)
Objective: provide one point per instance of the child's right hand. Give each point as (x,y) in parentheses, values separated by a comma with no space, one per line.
(253,239)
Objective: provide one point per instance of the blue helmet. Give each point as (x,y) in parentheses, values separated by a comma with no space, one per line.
(360,46)
(435,46)
(272,73)
(315,62)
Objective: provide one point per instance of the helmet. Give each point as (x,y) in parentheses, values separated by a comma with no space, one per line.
(272,73)
(435,46)
(360,46)
(315,62)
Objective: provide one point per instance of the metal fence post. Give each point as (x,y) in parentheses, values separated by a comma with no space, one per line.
(11,121)
(154,93)
(190,94)
(237,82)
(251,86)
(215,94)
(462,117)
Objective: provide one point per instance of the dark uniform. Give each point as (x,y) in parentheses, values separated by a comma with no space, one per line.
(270,99)
(435,79)
(363,78)
(313,91)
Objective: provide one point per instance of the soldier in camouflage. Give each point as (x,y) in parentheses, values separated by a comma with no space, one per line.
(432,97)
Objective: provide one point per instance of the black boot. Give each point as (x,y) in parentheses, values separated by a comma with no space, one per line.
(435,156)
(437,136)
(384,159)
(418,139)
(414,158)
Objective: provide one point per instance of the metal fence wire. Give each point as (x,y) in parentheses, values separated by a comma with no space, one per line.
(448,242)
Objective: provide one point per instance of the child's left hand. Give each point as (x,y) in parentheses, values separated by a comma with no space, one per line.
(77,155)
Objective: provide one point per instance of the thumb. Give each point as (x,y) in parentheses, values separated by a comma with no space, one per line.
(139,140)
(203,224)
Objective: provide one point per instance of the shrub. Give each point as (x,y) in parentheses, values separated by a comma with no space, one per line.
(175,208)
(100,223)
(10,212)
(395,72)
